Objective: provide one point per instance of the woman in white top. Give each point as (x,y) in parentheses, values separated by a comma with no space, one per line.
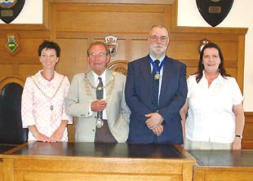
(43,109)
(213,116)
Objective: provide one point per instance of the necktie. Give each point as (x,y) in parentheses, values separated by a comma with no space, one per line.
(99,94)
(99,90)
(155,87)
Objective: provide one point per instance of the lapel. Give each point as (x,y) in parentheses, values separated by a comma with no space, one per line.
(167,69)
(146,74)
(109,110)
(108,76)
(90,78)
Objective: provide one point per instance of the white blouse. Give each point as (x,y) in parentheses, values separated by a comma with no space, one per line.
(43,104)
(210,116)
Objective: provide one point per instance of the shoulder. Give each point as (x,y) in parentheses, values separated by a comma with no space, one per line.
(191,81)
(192,77)
(176,62)
(28,82)
(138,61)
(230,80)
(79,76)
(119,77)
(32,78)
(62,77)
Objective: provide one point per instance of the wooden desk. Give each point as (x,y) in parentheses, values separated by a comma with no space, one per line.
(223,165)
(3,149)
(88,161)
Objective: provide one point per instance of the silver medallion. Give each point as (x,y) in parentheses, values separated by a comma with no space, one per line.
(99,123)
(51,107)
(157,76)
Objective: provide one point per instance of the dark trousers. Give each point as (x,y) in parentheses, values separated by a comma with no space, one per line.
(104,135)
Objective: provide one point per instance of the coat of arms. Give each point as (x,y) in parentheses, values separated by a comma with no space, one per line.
(112,44)
(10,9)
(12,43)
(214,11)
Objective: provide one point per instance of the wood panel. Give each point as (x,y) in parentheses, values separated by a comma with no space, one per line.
(222,174)
(1,170)
(13,64)
(75,24)
(73,56)
(110,18)
(247,141)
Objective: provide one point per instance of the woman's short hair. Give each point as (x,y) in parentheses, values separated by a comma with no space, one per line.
(49,45)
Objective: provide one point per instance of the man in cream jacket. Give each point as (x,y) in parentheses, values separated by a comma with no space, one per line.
(100,119)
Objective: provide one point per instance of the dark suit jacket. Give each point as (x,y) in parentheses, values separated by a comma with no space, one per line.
(138,94)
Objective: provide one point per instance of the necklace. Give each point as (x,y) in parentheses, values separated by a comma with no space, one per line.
(89,86)
(44,94)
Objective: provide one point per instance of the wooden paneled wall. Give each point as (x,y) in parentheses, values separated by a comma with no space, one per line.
(74,24)
(247,142)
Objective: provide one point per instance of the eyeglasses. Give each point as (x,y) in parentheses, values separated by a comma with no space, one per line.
(101,54)
(161,38)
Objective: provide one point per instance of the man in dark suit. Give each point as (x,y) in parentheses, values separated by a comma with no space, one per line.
(155,91)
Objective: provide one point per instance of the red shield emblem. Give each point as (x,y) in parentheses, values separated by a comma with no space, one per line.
(214,11)
(10,9)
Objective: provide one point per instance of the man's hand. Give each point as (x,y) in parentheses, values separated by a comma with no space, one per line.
(158,130)
(98,105)
(154,119)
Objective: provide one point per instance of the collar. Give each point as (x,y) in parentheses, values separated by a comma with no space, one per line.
(96,76)
(218,79)
(40,78)
(160,59)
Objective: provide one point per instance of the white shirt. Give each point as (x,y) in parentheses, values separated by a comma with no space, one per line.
(210,116)
(35,107)
(161,72)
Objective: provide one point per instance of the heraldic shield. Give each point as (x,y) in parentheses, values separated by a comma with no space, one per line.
(214,11)
(10,9)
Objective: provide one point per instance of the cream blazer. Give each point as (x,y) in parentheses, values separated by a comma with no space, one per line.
(82,93)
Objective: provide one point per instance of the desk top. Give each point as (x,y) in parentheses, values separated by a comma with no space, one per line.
(101,150)
(223,158)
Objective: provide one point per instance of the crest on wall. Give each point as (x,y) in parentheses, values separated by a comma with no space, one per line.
(112,44)
(12,43)
(10,9)
(214,11)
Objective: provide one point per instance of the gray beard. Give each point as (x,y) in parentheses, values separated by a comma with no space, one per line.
(156,55)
